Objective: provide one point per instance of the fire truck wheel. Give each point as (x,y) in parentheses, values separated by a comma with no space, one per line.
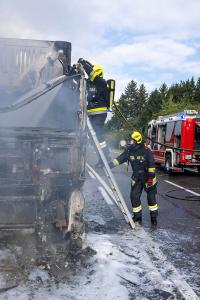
(168,164)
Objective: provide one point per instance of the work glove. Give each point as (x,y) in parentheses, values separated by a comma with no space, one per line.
(88,67)
(149,182)
(72,70)
(75,69)
(84,62)
(80,61)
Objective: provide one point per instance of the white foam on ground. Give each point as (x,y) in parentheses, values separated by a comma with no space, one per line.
(122,264)
(118,258)
(104,283)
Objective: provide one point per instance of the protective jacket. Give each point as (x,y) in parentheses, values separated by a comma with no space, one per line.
(97,96)
(141,160)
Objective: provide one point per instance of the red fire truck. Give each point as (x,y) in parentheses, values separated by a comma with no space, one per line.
(175,140)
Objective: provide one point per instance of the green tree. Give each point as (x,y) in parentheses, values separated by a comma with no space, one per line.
(142,99)
(127,105)
(183,91)
(171,107)
(163,91)
(139,108)
(131,98)
(197,92)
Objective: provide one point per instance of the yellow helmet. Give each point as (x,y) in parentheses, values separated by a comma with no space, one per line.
(97,71)
(137,137)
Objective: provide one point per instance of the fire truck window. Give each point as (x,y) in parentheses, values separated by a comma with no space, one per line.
(161,134)
(153,136)
(178,128)
(177,134)
(169,131)
(149,135)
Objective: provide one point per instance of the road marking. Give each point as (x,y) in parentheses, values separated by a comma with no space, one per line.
(105,195)
(181,187)
(173,275)
(91,175)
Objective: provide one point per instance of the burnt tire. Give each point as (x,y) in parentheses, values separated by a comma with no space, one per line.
(168,164)
(76,225)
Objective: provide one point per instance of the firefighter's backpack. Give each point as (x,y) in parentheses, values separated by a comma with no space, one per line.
(111,92)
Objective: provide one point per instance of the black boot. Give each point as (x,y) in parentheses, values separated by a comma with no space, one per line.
(154,221)
(137,219)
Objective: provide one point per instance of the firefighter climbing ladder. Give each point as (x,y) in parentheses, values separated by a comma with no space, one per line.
(114,187)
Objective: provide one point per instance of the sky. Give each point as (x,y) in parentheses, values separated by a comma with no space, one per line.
(149,41)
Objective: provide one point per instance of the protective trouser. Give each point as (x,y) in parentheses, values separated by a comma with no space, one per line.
(97,122)
(137,187)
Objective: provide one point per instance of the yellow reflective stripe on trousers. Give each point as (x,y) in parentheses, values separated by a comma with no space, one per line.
(153,207)
(103,144)
(115,162)
(137,209)
(97,109)
(151,170)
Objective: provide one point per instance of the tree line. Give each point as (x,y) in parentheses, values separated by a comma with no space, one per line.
(139,107)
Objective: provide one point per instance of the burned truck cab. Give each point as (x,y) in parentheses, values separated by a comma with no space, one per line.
(42,137)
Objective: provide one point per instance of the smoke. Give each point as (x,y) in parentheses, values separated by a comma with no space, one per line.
(26,66)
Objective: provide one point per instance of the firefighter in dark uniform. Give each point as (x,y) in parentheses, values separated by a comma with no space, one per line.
(143,177)
(97,102)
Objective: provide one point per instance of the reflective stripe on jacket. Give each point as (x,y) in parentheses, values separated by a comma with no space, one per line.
(98,110)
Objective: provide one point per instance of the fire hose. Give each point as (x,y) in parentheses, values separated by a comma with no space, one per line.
(192,198)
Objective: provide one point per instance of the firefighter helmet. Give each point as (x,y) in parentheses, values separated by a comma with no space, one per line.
(97,71)
(137,137)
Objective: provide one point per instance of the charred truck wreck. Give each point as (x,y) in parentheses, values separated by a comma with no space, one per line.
(42,141)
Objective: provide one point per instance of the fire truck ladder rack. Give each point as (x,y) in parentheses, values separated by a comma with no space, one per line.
(113,184)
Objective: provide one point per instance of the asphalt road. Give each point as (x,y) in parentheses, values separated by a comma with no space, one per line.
(178,230)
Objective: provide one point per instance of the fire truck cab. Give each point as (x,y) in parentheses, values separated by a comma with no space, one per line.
(175,140)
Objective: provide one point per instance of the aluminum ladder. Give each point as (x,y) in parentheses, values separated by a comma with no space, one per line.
(113,184)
